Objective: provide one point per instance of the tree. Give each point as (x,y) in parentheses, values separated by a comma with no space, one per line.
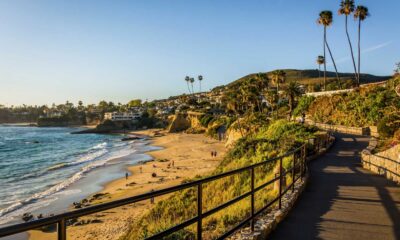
(361,14)
(347,8)
(187,79)
(200,78)
(278,76)
(320,61)
(135,103)
(292,91)
(326,19)
(191,82)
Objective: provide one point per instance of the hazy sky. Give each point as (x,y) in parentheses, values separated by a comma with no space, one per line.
(53,51)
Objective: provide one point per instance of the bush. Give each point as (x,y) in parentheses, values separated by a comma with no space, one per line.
(303,105)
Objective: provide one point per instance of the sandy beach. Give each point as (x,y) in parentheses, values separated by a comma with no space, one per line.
(183,157)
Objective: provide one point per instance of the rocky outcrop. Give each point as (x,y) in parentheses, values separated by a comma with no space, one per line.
(189,122)
(233,134)
(178,122)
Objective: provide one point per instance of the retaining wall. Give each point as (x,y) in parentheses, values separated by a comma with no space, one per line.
(386,163)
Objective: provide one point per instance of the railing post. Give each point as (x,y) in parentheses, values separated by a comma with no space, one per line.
(62,230)
(303,159)
(199,211)
(252,199)
(280,182)
(294,170)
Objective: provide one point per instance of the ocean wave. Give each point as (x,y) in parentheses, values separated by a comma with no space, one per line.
(63,185)
(89,157)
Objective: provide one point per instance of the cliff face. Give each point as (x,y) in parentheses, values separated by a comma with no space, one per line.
(232,136)
(178,123)
(188,122)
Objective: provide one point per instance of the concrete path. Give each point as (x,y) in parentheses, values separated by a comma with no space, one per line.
(342,200)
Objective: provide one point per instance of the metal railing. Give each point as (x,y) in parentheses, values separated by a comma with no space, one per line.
(297,171)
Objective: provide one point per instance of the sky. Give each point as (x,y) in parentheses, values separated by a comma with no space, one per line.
(53,51)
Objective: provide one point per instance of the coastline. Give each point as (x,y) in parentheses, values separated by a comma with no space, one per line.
(191,156)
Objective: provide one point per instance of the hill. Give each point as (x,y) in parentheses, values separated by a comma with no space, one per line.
(310,76)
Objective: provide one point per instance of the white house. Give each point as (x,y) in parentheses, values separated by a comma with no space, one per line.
(124,116)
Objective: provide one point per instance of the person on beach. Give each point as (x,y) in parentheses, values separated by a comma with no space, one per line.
(126,176)
(173,163)
(215,154)
(141,170)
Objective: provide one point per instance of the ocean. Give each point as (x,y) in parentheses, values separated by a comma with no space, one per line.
(43,170)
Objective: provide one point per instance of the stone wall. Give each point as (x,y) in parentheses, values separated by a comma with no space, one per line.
(344,129)
(386,163)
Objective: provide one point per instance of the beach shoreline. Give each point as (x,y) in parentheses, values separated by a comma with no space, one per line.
(182,156)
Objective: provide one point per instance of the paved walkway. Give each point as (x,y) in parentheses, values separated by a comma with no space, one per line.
(342,200)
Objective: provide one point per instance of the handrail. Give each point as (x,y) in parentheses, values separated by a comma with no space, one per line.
(299,163)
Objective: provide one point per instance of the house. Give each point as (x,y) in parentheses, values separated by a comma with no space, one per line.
(121,116)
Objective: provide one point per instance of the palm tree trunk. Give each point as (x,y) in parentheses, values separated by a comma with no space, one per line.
(192,89)
(325,58)
(200,85)
(319,73)
(334,64)
(188,87)
(359,50)
(277,103)
(352,54)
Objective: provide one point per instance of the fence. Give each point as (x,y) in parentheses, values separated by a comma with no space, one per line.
(297,171)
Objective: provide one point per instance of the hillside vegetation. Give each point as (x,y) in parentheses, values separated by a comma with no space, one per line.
(309,77)
(268,142)
(368,106)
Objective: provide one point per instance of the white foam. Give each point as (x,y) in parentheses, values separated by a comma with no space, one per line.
(20,207)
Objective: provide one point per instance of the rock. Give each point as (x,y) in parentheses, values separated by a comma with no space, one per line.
(96,221)
(27,217)
(130,184)
(77,205)
(154,175)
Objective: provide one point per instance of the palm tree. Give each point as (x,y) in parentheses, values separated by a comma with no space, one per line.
(191,82)
(200,78)
(292,91)
(187,79)
(361,14)
(320,61)
(326,19)
(278,76)
(347,8)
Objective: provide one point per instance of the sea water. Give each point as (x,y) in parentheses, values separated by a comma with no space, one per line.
(42,170)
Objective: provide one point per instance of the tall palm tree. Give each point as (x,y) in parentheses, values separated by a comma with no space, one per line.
(320,61)
(326,19)
(187,79)
(347,8)
(278,76)
(200,78)
(292,91)
(361,13)
(191,82)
